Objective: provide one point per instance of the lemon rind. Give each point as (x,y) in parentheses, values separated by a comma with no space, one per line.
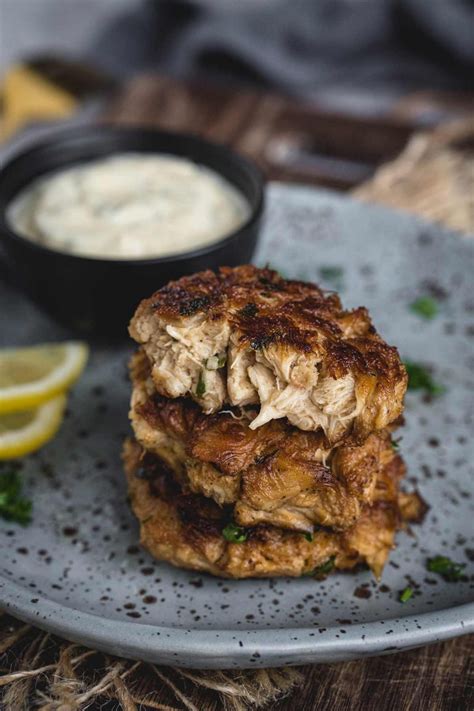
(29,396)
(18,443)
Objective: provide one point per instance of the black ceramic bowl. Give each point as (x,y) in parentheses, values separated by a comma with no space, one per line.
(99,295)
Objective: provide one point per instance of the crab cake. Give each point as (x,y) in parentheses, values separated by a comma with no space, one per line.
(276,474)
(247,337)
(191,531)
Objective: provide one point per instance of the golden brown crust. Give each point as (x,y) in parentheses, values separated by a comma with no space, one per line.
(186,530)
(413,507)
(270,328)
(212,292)
(265,308)
(275,474)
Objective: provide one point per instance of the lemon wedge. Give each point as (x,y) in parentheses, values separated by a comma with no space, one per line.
(29,377)
(24,432)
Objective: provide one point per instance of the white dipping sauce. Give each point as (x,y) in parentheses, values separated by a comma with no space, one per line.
(131,205)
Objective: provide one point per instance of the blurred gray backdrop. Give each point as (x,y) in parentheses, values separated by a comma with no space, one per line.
(307,48)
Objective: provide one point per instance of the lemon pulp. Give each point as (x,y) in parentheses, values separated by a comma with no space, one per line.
(24,432)
(31,376)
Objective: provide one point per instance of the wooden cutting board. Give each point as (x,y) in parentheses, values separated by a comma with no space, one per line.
(289,141)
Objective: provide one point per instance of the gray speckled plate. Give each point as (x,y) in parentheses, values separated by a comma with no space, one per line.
(77,571)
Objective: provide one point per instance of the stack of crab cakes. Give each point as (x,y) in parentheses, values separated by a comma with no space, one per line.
(263,417)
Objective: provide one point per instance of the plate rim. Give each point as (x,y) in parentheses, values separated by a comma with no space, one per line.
(232,648)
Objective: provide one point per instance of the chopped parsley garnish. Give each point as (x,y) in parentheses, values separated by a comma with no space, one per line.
(396,444)
(331,273)
(234,533)
(322,570)
(216,361)
(419,378)
(221,360)
(13,507)
(308,536)
(452,572)
(201,386)
(425,306)
(406,594)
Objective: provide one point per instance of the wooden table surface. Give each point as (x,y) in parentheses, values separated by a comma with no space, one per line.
(339,152)
(289,141)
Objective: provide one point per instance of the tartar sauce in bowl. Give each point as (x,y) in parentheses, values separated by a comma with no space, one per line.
(131,205)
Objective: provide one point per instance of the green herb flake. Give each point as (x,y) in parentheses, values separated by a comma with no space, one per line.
(452,572)
(216,361)
(323,570)
(396,444)
(419,378)
(234,533)
(308,536)
(201,386)
(425,306)
(13,507)
(333,274)
(406,594)
(221,360)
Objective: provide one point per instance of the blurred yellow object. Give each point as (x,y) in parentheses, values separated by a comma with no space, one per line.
(31,376)
(24,432)
(27,97)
